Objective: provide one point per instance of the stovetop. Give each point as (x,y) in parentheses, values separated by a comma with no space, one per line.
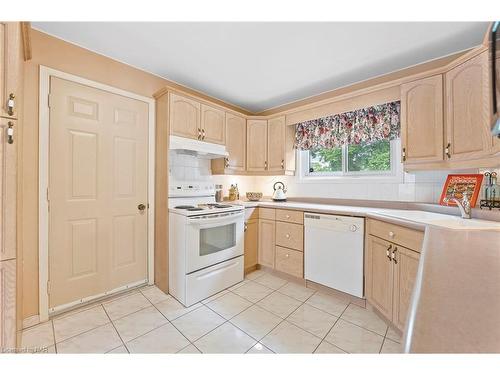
(207,208)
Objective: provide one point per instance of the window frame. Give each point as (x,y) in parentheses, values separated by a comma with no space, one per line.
(395,174)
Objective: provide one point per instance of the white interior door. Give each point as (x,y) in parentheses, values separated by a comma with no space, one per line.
(98,178)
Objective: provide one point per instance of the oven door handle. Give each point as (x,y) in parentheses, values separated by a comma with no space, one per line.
(223,217)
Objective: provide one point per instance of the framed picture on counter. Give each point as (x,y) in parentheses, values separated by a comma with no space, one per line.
(457,185)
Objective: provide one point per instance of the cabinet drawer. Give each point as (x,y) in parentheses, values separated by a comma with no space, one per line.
(267,213)
(290,235)
(406,237)
(290,216)
(290,261)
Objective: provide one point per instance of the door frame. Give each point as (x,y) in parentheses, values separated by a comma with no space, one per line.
(43,184)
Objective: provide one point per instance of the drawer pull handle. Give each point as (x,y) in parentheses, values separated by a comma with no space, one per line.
(391,234)
(11,104)
(393,255)
(288,216)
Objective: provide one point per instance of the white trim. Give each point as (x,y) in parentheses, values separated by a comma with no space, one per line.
(396,175)
(43,168)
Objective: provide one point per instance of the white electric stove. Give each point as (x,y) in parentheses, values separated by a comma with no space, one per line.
(206,243)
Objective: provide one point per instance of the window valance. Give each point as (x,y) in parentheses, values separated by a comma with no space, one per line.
(364,126)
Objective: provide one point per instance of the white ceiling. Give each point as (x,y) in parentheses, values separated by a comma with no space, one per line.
(262,65)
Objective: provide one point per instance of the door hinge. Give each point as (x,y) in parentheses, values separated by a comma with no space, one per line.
(48,286)
(48,200)
(49,97)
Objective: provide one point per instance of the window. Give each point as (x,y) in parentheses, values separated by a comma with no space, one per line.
(373,159)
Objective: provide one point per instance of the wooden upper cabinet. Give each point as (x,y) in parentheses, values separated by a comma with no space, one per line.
(379,275)
(184,117)
(496,141)
(422,120)
(236,142)
(10,68)
(276,144)
(405,273)
(213,125)
(468,111)
(257,145)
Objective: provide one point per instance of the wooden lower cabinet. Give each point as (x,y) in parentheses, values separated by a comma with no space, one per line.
(405,273)
(251,243)
(267,236)
(390,272)
(379,275)
(290,261)
(7,305)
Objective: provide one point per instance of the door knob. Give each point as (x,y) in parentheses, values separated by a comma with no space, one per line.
(141,207)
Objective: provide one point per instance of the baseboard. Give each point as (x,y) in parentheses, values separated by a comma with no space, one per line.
(31,321)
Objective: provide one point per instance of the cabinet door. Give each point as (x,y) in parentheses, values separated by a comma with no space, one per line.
(496,140)
(184,117)
(422,120)
(468,109)
(256,145)
(251,243)
(10,65)
(379,275)
(236,142)
(405,272)
(213,125)
(266,242)
(276,144)
(7,304)
(8,183)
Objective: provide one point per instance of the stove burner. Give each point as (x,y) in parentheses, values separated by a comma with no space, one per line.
(222,206)
(184,207)
(195,209)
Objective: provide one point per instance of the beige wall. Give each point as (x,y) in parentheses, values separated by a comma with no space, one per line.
(57,54)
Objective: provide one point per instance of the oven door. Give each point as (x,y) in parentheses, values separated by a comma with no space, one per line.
(212,239)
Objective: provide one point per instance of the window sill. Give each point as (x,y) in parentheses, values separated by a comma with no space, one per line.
(349,179)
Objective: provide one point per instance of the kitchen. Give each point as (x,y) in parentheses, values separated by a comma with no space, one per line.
(150,213)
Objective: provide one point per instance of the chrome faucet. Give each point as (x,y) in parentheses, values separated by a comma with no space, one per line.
(463,205)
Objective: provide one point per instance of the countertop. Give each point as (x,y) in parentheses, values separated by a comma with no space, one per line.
(416,219)
(455,306)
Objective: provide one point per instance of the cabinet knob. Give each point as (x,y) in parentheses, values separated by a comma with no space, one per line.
(391,234)
(287,235)
(287,255)
(288,216)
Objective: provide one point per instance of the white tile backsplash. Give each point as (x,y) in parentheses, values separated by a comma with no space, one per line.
(418,186)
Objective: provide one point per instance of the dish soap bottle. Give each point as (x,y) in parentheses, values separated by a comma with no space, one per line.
(232,193)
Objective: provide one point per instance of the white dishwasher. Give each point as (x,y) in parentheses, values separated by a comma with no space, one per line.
(334,251)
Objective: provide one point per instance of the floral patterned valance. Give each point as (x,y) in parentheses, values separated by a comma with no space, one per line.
(364,126)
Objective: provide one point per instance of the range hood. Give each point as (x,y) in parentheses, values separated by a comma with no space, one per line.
(203,150)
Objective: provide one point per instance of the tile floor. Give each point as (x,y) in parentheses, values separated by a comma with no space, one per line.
(262,314)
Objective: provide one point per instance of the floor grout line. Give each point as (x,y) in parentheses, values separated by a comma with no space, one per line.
(118,333)
(173,325)
(225,320)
